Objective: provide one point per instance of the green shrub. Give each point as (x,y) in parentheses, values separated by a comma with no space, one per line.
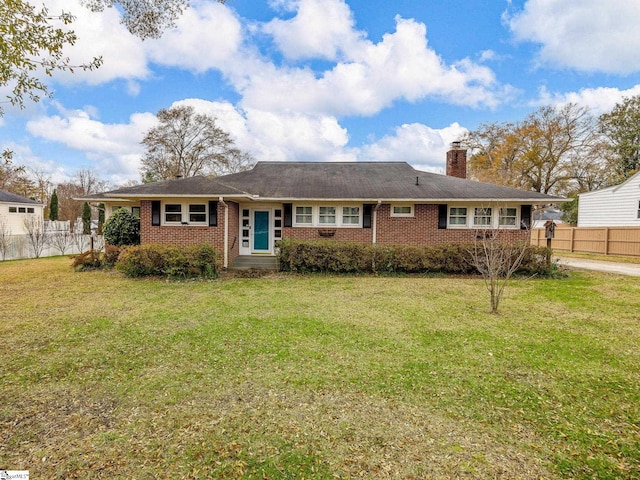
(169,260)
(122,228)
(349,257)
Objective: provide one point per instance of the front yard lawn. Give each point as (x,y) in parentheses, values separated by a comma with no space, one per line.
(317,377)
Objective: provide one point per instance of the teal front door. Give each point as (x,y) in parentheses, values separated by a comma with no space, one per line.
(260,231)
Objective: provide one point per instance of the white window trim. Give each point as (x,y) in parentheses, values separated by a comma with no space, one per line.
(18,212)
(335,216)
(515,218)
(495,218)
(405,215)
(492,218)
(295,216)
(458,225)
(184,214)
(315,216)
(341,216)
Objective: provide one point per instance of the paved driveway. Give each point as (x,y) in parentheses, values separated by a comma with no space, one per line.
(631,269)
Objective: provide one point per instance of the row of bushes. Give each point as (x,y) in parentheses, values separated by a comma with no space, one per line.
(347,257)
(154,260)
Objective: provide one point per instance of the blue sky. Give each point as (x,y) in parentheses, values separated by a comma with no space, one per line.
(327,80)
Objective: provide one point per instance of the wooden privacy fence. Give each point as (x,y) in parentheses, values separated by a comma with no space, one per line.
(600,240)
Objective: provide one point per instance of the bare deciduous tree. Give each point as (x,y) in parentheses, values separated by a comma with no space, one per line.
(186,144)
(553,150)
(5,238)
(81,241)
(61,240)
(37,234)
(497,261)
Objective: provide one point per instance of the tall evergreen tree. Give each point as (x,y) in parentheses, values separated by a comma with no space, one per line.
(53,206)
(86,219)
(101,208)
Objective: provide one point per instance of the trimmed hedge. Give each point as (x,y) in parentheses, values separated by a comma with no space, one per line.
(348,257)
(170,261)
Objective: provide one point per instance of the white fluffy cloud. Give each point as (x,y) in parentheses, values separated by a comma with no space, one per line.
(23,155)
(320,29)
(273,136)
(206,37)
(371,77)
(113,149)
(295,136)
(600,100)
(100,34)
(587,35)
(423,147)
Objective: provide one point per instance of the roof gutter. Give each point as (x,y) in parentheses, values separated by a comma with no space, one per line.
(225,263)
(375,222)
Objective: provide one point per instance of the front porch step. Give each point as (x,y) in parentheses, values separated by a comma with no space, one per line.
(257,262)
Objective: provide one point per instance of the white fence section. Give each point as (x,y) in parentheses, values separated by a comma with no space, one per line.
(56,242)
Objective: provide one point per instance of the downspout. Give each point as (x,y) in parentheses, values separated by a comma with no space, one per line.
(375,221)
(225,262)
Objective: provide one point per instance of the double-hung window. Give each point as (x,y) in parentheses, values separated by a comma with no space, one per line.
(186,214)
(508,217)
(351,215)
(482,217)
(173,213)
(327,216)
(304,215)
(197,213)
(458,216)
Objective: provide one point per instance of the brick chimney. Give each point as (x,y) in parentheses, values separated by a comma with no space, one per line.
(457,161)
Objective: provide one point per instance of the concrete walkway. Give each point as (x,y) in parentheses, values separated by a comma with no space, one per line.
(631,269)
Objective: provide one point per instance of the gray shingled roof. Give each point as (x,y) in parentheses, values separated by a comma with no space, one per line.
(8,197)
(192,186)
(334,181)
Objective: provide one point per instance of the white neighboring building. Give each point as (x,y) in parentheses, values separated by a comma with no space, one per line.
(617,206)
(14,209)
(543,215)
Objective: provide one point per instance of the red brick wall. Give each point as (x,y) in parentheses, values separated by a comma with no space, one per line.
(421,229)
(364,235)
(184,235)
(456,165)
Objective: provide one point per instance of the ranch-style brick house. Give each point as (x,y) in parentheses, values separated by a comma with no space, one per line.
(243,215)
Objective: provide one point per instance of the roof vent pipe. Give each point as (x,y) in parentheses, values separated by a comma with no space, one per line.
(417,180)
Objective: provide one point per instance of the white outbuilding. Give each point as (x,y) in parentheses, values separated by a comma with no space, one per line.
(617,206)
(15,212)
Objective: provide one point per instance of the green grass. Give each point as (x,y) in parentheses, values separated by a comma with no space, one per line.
(317,377)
